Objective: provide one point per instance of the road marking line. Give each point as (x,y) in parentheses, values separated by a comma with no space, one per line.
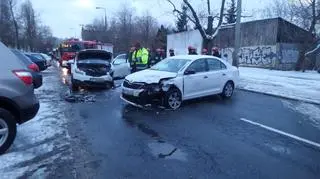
(282,133)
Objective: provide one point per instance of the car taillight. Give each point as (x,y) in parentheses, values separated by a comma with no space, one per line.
(34,67)
(24,76)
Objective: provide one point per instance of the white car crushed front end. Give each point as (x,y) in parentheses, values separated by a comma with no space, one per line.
(82,77)
(147,87)
(92,73)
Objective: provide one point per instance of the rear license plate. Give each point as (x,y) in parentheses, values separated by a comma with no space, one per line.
(97,79)
(130,92)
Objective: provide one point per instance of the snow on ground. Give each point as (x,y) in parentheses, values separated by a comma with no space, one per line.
(290,84)
(41,140)
(312,112)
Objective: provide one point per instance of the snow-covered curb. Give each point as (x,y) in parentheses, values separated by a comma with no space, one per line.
(286,84)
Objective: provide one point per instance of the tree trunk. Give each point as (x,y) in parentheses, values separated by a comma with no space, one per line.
(314,17)
(15,26)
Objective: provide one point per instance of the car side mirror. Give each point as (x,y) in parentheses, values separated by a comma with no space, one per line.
(189,72)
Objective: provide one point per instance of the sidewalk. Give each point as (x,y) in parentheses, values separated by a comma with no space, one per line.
(288,84)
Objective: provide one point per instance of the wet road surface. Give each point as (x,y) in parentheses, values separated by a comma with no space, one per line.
(206,138)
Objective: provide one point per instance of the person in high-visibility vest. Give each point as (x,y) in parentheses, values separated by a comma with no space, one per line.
(132,64)
(141,57)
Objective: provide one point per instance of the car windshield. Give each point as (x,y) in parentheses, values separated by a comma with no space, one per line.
(170,65)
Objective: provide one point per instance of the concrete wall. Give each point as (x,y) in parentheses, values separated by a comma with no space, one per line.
(288,55)
(279,56)
(254,56)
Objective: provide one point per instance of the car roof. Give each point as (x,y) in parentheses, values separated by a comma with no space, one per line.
(192,57)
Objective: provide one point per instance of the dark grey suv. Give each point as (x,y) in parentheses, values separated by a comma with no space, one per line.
(18,102)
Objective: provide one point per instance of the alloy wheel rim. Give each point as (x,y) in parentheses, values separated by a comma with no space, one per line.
(228,90)
(4,131)
(174,100)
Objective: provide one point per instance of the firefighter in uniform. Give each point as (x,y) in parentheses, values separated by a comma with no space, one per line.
(140,57)
(215,52)
(192,50)
(204,51)
(171,52)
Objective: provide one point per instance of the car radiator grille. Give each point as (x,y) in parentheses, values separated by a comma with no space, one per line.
(127,84)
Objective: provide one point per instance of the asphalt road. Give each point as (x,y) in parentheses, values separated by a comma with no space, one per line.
(206,138)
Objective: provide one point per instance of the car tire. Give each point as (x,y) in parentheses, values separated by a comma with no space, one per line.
(228,90)
(173,99)
(74,86)
(7,122)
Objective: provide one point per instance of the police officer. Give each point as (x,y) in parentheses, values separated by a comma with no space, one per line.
(171,52)
(141,57)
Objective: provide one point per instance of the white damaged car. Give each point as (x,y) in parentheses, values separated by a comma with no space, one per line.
(179,78)
(92,68)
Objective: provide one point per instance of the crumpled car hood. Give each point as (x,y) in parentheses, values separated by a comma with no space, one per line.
(150,76)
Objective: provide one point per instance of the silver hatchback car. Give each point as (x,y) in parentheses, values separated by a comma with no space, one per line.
(18,102)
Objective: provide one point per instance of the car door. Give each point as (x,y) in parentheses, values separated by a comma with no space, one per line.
(195,83)
(216,74)
(121,66)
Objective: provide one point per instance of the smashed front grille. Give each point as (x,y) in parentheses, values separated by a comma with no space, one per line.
(133,85)
(95,71)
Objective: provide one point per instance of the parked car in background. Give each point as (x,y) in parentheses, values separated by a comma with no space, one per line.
(92,68)
(31,67)
(18,102)
(39,60)
(179,78)
(47,58)
(121,66)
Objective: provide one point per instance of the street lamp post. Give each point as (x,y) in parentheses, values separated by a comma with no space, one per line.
(105,16)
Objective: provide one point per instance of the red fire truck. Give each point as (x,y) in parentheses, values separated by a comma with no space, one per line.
(68,49)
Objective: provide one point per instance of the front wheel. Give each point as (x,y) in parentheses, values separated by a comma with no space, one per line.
(8,130)
(228,90)
(173,99)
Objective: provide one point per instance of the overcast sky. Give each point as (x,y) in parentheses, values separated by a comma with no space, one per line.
(65,16)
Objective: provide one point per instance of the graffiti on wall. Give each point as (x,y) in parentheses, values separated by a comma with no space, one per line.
(253,56)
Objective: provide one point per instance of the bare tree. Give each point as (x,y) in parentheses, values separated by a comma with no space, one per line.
(29,24)
(6,24)
(305,13)
(231,11)
(146,27)
(208,33)
(126,27)
(12,4)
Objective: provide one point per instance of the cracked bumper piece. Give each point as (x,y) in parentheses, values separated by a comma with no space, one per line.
(141,97)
